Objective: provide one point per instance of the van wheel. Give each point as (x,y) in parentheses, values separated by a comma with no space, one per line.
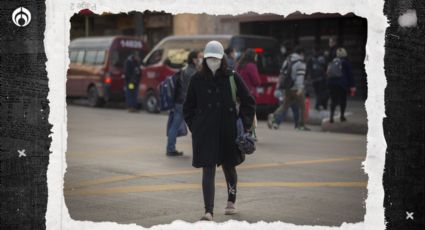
(151,103)
(93,97)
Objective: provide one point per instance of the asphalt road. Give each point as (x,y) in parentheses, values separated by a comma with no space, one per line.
(117,171)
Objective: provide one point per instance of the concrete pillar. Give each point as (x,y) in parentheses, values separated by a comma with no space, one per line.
(86,26)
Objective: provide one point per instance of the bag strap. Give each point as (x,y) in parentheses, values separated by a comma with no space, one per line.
(233,87)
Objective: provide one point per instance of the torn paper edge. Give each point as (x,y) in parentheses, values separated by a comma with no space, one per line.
(57,38)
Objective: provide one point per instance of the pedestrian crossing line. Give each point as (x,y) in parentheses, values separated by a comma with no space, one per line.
(184,186)
(113,179)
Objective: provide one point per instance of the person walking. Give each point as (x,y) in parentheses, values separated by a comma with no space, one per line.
(131,80)
(340,80)
(211,114)
(292,82)
(247,69)
(316,71)
(182,83)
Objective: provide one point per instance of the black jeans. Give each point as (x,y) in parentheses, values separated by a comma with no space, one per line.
(208,185)
(322,95)
(338,97)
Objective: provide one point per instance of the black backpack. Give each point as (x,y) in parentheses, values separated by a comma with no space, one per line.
(335,68)
(286,82)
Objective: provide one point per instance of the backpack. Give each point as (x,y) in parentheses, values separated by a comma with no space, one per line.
(167,92)
(335,68)
(286,82)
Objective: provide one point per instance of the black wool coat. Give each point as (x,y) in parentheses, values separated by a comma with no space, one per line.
(210,114)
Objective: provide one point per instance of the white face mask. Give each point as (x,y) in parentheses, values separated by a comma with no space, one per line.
(213,64)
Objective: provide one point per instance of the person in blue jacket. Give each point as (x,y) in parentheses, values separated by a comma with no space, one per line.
(131,80)
(340,83)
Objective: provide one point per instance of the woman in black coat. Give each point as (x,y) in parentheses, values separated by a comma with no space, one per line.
(211,114)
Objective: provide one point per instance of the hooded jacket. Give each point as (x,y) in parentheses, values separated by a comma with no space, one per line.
(298,71)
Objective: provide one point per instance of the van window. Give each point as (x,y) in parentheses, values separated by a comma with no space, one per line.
(176,58)
(155,57)
(90,57)
(176,51)
(73,56)
(100,57)
(80,57)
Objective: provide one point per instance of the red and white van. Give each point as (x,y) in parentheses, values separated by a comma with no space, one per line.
(96,68)
(170,54)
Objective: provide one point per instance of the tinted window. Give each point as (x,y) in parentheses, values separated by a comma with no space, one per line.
(155,57)
(80,56)
(90,57)
(100,57)
(73,56)
(269,62)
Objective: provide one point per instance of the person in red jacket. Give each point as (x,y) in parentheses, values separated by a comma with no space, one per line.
(247,69)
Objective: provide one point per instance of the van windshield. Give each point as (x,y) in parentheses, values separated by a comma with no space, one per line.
(268,52)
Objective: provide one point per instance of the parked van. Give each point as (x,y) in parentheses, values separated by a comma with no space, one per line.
(96,68)
(170,54)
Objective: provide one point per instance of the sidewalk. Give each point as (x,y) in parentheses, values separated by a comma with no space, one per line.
(355,113)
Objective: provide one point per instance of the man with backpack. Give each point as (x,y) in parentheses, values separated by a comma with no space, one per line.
(292,83)
(182,81)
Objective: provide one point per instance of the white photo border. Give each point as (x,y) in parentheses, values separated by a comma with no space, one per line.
(56,41)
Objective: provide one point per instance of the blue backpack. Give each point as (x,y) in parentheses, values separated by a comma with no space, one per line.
(167,92)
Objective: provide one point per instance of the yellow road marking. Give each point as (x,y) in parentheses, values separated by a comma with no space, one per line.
(112,179)
(193,171)
(121,151)
(183,186)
